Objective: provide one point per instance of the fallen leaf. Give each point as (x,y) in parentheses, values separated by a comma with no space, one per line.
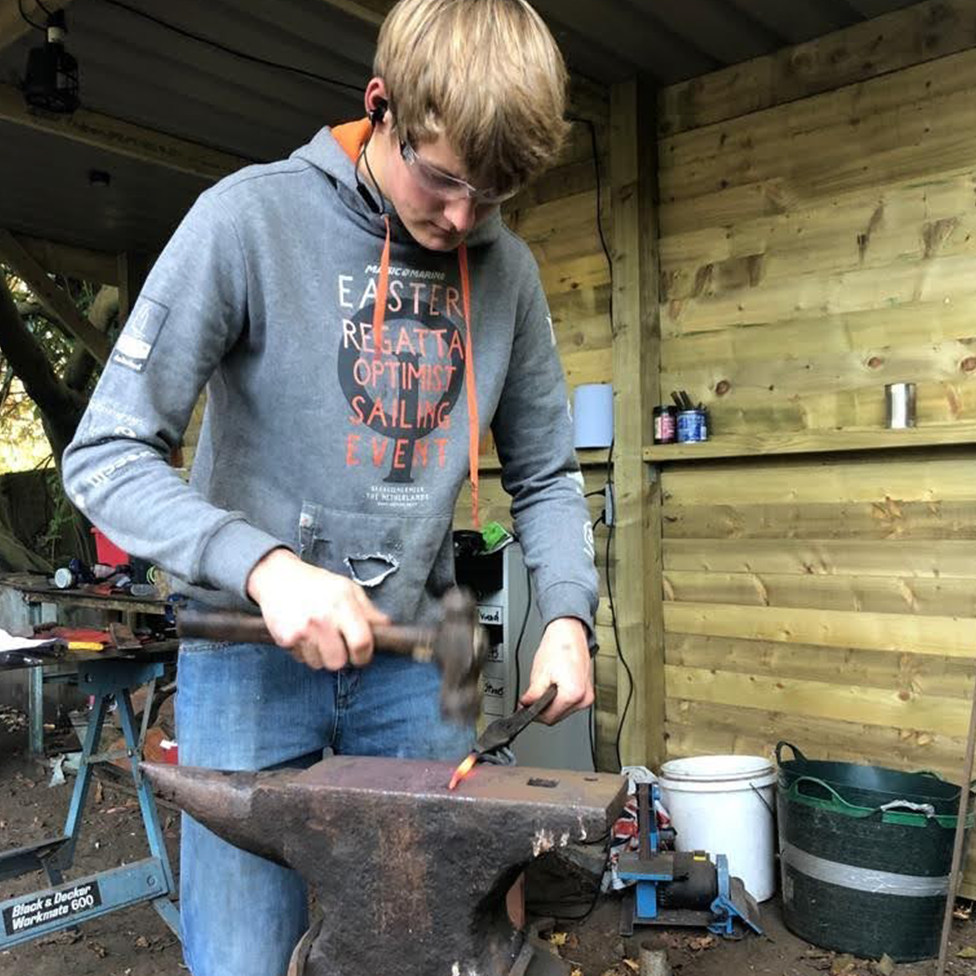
(557,939)
(576,972)
(698,943)
(885,966)
(142,942)
(842,964)
(97,948)
(632,964)
(99,791)
(969,952)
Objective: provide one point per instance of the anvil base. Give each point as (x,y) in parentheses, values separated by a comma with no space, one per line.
(410,877)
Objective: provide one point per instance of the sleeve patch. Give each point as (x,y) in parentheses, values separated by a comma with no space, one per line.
(140,333)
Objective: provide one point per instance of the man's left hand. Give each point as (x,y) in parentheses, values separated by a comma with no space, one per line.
(563,660)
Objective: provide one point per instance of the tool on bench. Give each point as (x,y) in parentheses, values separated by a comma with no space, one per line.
(457,645)
(679,887)
(502,732)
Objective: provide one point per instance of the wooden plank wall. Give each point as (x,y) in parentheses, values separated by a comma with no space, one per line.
(811,252)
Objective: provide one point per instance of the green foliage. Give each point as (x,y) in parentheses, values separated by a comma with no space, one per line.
(23,443)
(58,539)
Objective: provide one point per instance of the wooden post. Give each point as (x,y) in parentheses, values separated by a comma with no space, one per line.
(133,269)
(636,379)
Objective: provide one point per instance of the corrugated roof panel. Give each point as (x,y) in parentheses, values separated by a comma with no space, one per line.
(46,192)
(142,72)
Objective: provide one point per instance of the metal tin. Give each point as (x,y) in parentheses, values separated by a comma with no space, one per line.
(665,425)
(900,405)
(692,426)
(64,578)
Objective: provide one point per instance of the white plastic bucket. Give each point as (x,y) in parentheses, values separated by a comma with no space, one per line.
(724,805)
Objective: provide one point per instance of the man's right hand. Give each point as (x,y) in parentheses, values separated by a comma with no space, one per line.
(322,619)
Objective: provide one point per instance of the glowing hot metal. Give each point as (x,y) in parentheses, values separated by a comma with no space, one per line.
(463,770)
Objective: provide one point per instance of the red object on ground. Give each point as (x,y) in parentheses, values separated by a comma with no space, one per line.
(106,551)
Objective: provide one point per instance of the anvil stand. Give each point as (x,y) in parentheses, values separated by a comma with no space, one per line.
(64,905)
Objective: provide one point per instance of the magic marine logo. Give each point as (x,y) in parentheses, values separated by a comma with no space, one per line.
(401,396)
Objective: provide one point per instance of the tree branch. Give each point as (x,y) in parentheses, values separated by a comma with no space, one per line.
(61,407)
(103,311)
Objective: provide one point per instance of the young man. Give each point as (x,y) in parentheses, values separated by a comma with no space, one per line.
(359,314)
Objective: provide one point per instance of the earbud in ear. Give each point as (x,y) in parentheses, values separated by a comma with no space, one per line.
(379,110)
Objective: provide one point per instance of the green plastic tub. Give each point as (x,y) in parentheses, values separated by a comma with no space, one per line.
(865,854)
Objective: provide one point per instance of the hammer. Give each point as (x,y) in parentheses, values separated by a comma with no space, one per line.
(457,645)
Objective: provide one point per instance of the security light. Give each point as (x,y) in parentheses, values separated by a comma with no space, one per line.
(51,82)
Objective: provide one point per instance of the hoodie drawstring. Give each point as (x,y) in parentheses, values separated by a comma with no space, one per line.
(351,138)
(474,427)
(379,318)
(379,309)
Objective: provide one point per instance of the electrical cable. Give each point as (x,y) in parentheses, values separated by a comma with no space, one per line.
(579,919)
(610,527)
(599,195)
(518,643)
(23,13)
(369,169)
(592,722)
(200,39)
(41,5)
(613,620)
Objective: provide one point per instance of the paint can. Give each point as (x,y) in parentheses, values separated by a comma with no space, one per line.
(692,426)
(900,405)
(665,425)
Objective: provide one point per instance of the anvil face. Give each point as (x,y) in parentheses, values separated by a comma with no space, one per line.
(410,877)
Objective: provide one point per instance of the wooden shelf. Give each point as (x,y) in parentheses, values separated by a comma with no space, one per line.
(814,442)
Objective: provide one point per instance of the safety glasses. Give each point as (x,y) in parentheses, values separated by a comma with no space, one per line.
(447,187)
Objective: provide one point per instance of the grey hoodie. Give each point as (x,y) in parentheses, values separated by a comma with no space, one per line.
(310,439)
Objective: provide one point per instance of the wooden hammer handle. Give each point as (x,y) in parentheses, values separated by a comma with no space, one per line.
(248,628)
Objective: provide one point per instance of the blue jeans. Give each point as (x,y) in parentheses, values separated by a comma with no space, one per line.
(251,707)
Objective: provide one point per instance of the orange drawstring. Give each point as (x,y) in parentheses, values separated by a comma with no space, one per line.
(474,427)
(379,309)
(351,138)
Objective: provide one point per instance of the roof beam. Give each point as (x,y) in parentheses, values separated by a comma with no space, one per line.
(54,299)
(122,138)
(71,261)
(371,12)
(13,26)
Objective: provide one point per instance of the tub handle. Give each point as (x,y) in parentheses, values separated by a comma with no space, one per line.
(835,798)
(783,744)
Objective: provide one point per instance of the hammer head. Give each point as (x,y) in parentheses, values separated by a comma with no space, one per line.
(460,648)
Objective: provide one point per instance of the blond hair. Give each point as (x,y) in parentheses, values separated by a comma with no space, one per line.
(486,74)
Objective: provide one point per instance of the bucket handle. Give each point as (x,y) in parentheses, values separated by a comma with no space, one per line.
(797,794)
(783,744)
(890,813)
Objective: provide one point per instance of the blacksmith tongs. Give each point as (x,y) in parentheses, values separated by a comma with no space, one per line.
(502,732)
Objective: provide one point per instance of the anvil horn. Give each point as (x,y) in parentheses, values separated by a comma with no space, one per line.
(222,802)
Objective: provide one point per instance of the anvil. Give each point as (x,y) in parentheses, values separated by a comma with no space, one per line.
(410,876)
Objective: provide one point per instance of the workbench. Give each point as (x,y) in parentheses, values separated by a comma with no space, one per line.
(107,676)
(43,602)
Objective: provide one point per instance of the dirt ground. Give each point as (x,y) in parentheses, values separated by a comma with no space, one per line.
(136,942)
